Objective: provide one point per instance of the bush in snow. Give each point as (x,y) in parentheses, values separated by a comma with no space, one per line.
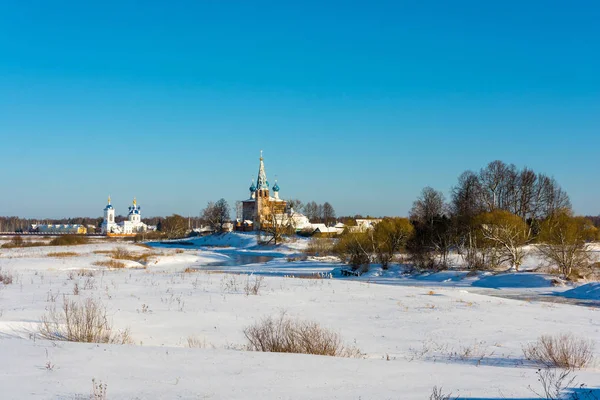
(81,322)
(560,351)
(285,335)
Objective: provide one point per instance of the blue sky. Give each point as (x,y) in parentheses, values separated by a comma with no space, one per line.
(357,103)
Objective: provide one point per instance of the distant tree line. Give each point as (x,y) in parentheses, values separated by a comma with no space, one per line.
(14,224)
(316,213)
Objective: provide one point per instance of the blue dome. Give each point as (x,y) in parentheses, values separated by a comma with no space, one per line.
(276,187)
(253,188)
(108,207)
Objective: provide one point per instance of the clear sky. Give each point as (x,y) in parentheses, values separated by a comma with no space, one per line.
(357,103)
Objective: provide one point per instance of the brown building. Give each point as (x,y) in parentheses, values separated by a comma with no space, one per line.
(261,208)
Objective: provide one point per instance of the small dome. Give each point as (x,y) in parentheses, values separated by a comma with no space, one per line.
(253,187)
(276,187)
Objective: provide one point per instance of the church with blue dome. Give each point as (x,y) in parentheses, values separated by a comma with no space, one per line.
(263,202)
(130,227)
(264,207)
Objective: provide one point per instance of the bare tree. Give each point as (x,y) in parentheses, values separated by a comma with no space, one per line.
(428,207)
(217,214)
(491,179)
(311,210)
(328,213)
(296,205)
(277,223)
(508,232)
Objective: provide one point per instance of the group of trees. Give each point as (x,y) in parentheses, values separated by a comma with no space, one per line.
(316,213)
(379,244)
(492,217)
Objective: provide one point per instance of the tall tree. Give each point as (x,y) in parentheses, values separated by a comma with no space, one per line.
(428,207)
(217,214)
(174,226)
(311,210)
(508,233)
(328,213)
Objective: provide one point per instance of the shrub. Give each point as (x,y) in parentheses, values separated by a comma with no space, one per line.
(319,247)
(560,351)
(63,254)
(86,322)
(69,240)
(356,249)
(284,335)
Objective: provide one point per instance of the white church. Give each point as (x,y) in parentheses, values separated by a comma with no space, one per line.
(131,226)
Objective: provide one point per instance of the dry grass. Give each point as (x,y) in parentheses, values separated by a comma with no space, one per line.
(194,342)
(63,254)
(560,351)
(144,245)
(102,251)
(5,277)
(438,394)
(179,251)
(189,270)
(315,275)
(110,264)
(69,240)
(320,247)
(123,254)
(285,335)
(98,390)
(85,322)
(18,241)
(253,287)
(86,273)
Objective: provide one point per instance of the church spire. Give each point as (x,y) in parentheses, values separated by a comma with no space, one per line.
(261,181)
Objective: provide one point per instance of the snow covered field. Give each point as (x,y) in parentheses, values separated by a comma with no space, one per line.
(415,333)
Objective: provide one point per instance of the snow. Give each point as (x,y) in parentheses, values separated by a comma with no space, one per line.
(589,291)
(515,280)
(412,329)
